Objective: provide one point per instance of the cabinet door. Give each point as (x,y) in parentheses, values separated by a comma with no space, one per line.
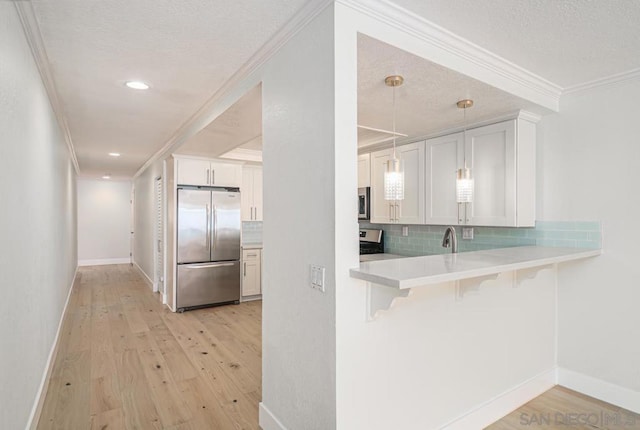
(364,170)
(246,194)
(490,152)
(379,207)
(193,171)
(411,209)
(251,191)
(257,194)
(226,175)
(444,155)
(251,279)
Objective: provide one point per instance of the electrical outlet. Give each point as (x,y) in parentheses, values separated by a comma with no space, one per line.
(405,230)
(317,277)
(467,233)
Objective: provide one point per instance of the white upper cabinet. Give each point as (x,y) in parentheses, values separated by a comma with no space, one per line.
(226,174)
(443,156)
(502,157)
(197,171)
(411,209)
(502,161)
(490,152)
(251,193)
(364,170)
(193,171)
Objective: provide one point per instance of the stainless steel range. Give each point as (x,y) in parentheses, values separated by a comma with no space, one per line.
(371,241)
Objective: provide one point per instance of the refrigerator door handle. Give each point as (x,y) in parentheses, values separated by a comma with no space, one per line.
(207,231)
(214,222)
(210,265)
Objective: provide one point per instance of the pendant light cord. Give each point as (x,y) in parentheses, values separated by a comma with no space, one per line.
(394,121)
(464,133)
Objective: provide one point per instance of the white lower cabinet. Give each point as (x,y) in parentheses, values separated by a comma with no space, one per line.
(251,272)
(411,209)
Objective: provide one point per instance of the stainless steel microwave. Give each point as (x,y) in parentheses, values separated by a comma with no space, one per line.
(363,203)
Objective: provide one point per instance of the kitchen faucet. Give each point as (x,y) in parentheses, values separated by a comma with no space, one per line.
(450,240)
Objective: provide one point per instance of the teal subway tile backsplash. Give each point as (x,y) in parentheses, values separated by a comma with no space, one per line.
(427,239)
(251,232)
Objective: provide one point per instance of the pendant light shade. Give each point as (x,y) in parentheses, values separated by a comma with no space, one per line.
(394,180)
(394,173)
(464,186)
(464,180)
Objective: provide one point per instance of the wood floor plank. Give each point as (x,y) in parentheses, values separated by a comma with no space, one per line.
(561,408)
(108,420)
(115,335)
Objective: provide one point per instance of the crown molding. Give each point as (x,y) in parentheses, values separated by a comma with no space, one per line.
(518,114)
(602,82)
(34,38)
(441,38)
(195,123)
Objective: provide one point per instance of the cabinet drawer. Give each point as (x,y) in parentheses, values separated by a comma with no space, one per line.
(250,255)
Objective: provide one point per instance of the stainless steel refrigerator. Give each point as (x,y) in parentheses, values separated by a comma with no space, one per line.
(208,246)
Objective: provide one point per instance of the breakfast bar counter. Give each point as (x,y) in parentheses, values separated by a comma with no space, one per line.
(406,273)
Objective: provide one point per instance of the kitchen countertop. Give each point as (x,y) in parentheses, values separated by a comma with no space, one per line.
(253,245)
(381,256)
(412,272)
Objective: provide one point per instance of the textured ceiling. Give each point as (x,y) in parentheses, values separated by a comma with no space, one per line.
(567,42)
(240,125)
(188,49)
(426,102)
(185,49)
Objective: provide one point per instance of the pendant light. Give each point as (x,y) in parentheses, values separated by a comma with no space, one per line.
(394,174)
(464,180)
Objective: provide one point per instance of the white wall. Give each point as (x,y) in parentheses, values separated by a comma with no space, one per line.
(300,205)
(145,218)
(37,224)
(104,221)
(588,162)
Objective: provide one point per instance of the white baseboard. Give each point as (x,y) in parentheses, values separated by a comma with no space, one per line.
(36,410)
(599,389)
(144,275)
(104,261)
(503,404)
(268,421)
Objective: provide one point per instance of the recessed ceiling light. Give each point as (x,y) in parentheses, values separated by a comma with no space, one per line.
(106,177)
(114,154)
(137,85)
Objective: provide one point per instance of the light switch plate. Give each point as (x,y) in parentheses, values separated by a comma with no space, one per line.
(317,277)
(405,230)
(467,233)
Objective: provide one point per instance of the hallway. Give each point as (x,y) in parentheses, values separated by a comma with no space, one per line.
(125,361)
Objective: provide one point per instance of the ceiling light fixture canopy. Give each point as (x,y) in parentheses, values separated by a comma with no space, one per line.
(114,154)
(107,176)
(464,180)
(394,173)
(137,85)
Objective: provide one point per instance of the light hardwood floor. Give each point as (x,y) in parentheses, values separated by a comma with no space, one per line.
(126,362)
(564,409)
